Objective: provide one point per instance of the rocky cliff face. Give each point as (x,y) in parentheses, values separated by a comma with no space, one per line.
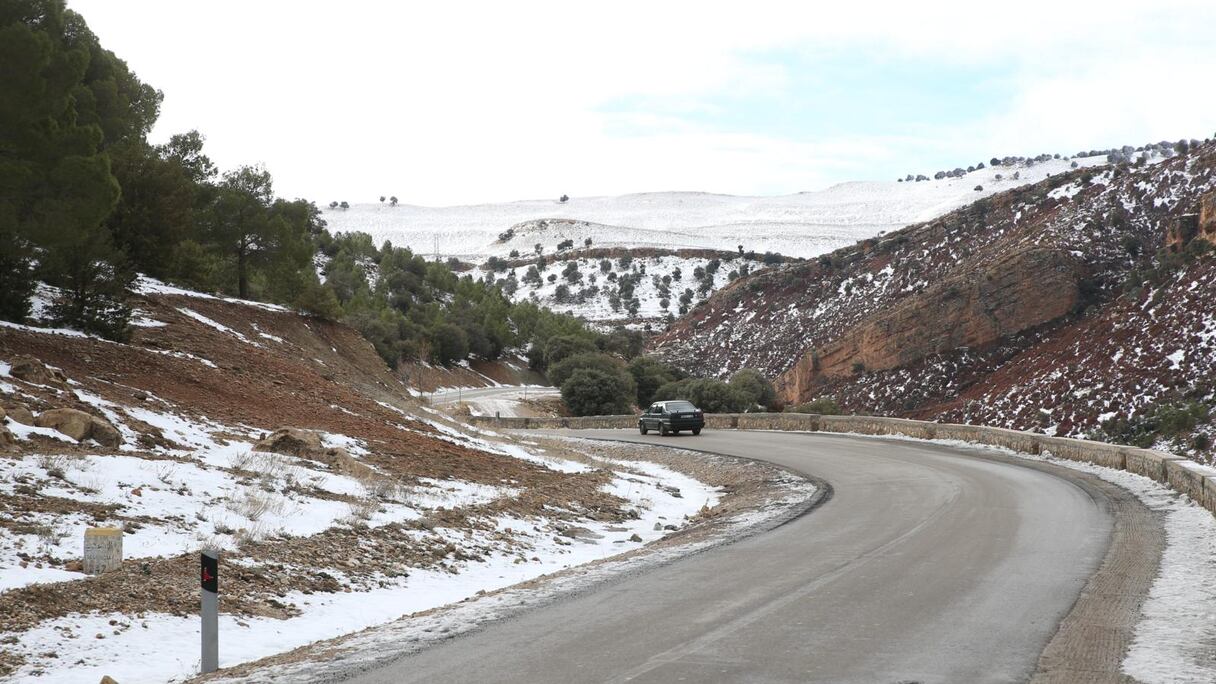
(1207,218)
(942,319)
(1019,291)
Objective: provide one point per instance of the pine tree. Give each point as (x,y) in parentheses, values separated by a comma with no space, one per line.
(238,221)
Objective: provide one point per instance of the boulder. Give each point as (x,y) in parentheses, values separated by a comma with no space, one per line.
(104,433)
(75,424)
(7,440)
(20,414)
(30,369)
(307,444)
(80,426)
(293,441)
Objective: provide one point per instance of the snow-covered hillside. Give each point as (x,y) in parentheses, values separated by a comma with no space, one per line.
(636,290)
(802,225)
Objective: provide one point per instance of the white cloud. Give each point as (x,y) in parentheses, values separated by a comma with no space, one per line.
(448,102)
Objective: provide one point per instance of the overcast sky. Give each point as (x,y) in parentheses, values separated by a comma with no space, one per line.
(453,103)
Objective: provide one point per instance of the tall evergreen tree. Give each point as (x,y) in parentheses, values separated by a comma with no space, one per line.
(57,185)
(238,221)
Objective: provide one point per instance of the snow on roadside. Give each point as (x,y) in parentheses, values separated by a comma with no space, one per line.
(159,647)
(1175,639)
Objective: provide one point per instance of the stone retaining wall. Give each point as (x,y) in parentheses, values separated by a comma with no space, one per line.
(1178,473)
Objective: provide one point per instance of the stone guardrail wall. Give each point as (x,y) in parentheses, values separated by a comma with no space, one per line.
(1178,473)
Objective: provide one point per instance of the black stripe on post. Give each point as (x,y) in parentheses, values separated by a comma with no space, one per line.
(211,574)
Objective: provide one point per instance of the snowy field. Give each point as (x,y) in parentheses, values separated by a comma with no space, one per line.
(802,225)
(217,492)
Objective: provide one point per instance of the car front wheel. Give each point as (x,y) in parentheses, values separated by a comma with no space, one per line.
(642,428)
(696,431)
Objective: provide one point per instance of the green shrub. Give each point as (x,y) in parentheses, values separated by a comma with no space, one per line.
(592,392)
(449,343)
(1169,420)
(560,372)
(649,374)
(754,387)
(711,396)
(561,346)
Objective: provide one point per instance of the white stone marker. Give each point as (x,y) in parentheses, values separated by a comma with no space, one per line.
(102,549)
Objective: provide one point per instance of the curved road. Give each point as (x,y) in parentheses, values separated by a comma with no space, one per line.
(501,399)
(925,565)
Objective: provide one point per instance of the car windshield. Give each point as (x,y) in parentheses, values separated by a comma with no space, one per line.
(677,406)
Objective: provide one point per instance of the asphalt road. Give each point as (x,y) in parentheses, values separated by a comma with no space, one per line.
(503,399)
(925,565)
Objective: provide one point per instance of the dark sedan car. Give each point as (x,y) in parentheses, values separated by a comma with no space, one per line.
(669,417)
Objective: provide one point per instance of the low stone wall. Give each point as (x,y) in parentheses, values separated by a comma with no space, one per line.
(1178,473)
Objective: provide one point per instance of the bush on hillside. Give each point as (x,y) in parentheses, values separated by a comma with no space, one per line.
(754,387)
(711,396)
(1169,420)
(561,371)
(591,392)
(649,374)
(561,346)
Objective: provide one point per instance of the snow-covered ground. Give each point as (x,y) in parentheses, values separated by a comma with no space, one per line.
(661,282)
(160,647)
(802,225)
(215,491)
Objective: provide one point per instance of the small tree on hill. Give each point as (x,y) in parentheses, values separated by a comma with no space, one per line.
(591,392)
(392,201)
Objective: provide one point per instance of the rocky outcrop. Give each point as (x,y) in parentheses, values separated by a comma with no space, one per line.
(19,413)
(30,369)
(308,444)
(1196,226)
(1179,235)
(1207,218)
(1020,291)
(80,426)
(291,441)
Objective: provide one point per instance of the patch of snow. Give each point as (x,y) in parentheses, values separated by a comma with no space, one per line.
(215,324)
(151,286)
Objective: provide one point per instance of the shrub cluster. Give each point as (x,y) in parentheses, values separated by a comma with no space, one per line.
(747,390)
(1172,421)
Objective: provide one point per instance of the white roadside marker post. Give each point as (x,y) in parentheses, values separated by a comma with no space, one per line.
(102,550)
(210,609)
